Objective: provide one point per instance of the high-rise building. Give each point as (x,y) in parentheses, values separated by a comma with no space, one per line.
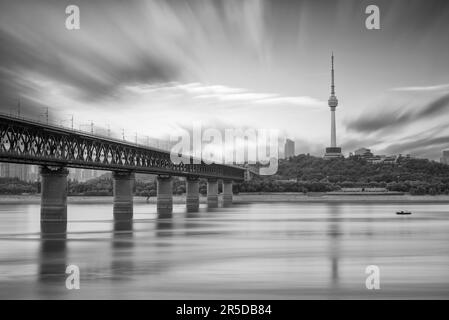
(82,175)
(333,151)
(445,158)
(75,174)
(289,148)
(16,170)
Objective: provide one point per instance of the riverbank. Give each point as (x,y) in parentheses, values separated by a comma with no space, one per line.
(339,197)
(254,197)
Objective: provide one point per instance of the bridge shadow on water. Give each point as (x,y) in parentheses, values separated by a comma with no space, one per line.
(334,233)
(122,248)
(53,254)
(59,248)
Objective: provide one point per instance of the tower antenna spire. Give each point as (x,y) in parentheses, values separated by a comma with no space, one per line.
(332,73)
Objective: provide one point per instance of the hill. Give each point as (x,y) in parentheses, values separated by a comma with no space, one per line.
(304,173)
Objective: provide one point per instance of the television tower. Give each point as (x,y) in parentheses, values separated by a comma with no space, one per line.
(333,151)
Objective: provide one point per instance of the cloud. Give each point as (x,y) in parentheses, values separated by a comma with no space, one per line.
(200,89)
(302,100)
(120,46)
(243,97)
(424,88)
(412,124)
(397,116)
(225,93)
(90,70)
(437,106)
(372,123)
(159,64)
(429,147)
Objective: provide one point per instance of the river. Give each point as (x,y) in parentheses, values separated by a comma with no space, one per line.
(249,251)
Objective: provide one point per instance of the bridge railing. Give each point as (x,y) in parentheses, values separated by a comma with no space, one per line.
(54,125)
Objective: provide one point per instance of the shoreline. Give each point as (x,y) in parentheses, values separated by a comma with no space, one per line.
(243,198)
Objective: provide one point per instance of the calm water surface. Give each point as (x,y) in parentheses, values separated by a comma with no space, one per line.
(251,251)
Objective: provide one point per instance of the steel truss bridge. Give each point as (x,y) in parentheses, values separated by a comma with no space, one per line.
(31,142)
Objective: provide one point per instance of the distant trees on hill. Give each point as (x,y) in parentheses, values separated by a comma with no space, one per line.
(103,186)
(16,186)
(303,173)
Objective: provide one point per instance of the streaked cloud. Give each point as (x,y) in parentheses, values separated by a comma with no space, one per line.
(412,124)
(396,116)
(157,66)
(423,88)
(222,93)
(299,101)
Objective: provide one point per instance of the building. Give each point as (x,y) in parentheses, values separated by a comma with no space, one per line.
(393,159)
(445,158)
(75,174)
(333,151)
(82,175)
(363,152)
(23,172)
(289,148)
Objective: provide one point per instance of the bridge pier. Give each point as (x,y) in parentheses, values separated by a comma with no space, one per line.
(227,193)
(54,196)
(164,194)
(123,195)
(212,193)
(192,194)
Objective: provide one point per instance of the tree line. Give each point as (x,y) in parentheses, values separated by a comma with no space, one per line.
(305,173)
(302,173)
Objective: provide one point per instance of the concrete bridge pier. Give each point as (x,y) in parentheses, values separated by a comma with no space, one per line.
(192,194)
(227,193)
(123,184)
(54,196)
(212,193)
(164,194)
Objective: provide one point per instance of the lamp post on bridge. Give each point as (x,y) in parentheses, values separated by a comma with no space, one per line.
(70,119)
(45,114)
(18,108)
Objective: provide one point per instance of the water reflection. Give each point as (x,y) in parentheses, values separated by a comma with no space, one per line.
(164,226)
(261,251)
(53,252)
(334,233)
(122,262)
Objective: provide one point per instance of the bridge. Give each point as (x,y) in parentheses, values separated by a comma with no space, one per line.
(55,149)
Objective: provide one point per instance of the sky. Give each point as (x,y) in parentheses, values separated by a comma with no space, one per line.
(157,67)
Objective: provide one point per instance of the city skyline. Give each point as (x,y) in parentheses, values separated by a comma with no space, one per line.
(165,65)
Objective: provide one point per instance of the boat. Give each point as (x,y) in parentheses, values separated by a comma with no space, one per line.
(403,212)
